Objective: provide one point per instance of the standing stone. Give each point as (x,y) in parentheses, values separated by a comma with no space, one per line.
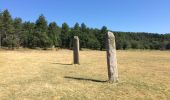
(76,50)
(111,57)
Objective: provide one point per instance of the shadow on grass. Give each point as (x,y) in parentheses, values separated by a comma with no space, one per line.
(61,64)
(85,79)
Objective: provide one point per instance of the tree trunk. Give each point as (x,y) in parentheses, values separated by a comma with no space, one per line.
(111,57)
(76,50)
(0,40)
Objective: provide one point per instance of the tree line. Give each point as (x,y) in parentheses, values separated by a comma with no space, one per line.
(15,33)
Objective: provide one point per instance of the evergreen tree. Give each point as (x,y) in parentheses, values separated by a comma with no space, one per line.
(14,33)
(41,38)
(17,30)
(76,27)
(27,35)
(1,29)
(75,31)
(64,35)
(84,32)
(92,42)
(168,46)
(8,35)
(53,33)
(101,37)
(83,27)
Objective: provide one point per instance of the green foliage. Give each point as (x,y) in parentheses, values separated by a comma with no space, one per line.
(1,29)
(134,45)
(41,24)
(15,33)
(168,46)
(41,38)
(77,27)
(83,27)
(127,40)
(64,35)
(54,33)
(17,24)
(8,36)
(27,35)
(0,20)
(7,21)
(93,43)
(101,37)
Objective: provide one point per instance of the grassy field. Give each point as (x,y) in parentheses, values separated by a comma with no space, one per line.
(50,75)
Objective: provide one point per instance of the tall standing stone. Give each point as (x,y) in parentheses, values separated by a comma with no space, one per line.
(76,50)
(111,57)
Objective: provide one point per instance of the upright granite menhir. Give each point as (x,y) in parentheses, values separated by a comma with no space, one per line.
(76,50)
(111,57)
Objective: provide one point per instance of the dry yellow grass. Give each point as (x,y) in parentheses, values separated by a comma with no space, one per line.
(50,75)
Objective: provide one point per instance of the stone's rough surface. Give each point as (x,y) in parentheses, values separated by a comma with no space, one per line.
(76,50)
(111,57)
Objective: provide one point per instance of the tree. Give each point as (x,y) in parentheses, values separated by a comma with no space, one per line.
(0,29)
(93,43)
(27,35)
(64,35)
(14,33)
(17,23)
(101,37)
(41,24)
(84,32)
(75,31)
(8,35)
(126,45)
(83,27)
(168,46)
(76,27)
(41,38)
(134,45)
(91,40)
(119,45)
(53,33)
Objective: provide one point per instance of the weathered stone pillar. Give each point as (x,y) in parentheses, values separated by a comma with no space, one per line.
(111,57)
(76,50)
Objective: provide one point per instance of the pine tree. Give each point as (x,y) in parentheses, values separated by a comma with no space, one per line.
(101,37)
(8,30)
(64,35)
(0,29)
(75,31)
(14,33)
(83,36)
(27,34)
(53,33)
(83,27)
(41,38)
(17,30)
(76,27)
(168,46)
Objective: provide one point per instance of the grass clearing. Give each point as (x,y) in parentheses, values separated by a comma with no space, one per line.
(50,75)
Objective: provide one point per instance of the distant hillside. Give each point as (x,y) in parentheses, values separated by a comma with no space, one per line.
(126,40)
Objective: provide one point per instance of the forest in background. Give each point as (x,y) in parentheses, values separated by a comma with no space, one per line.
(15,33)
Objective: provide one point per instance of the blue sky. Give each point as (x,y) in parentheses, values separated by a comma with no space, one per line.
(117,15)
